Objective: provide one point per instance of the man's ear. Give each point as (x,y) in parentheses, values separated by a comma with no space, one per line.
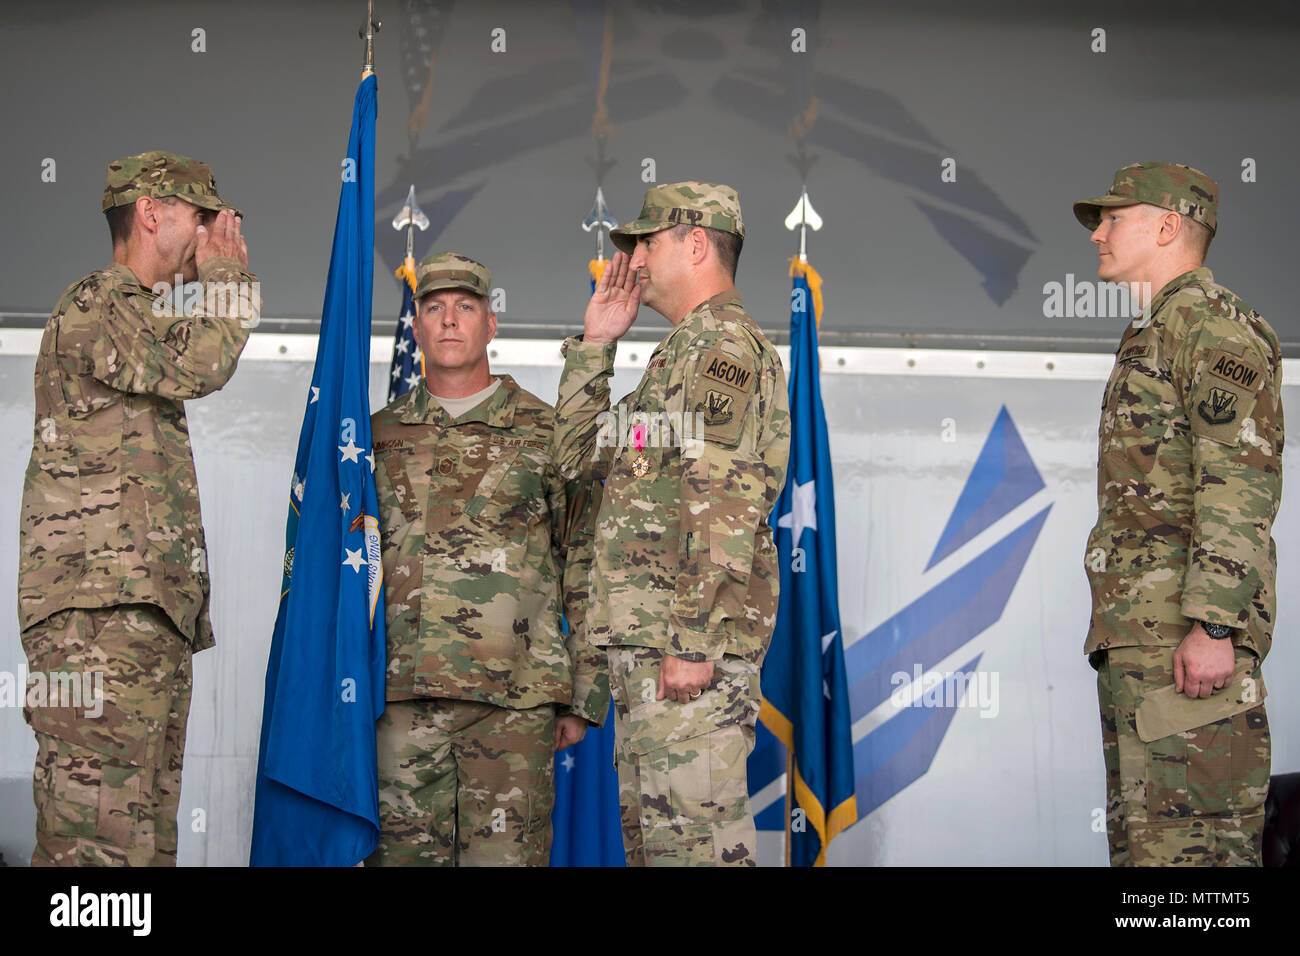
(146,214)
(1171,224)
(492,325)
(699,240)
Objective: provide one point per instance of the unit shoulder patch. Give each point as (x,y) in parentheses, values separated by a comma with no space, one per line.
(727,370)
(1225,396)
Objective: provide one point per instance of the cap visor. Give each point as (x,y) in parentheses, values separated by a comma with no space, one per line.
(1088,211)
(437,285)
(209,202)
(625,237)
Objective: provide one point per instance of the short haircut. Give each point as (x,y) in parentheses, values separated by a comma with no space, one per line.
(121,219)
(728,245)
(1198,237)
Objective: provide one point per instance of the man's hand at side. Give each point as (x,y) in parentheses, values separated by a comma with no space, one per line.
(1202,665)
(569,730)
(681,680)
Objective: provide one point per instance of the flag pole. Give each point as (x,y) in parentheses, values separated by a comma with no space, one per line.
(367,32)
(789,798)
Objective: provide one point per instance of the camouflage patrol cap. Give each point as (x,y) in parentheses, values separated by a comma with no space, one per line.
(690,203)
(1168,185)
(451,270)
(159,174)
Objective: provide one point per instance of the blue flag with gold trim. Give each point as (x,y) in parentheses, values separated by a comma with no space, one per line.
(805,691)
(317,798)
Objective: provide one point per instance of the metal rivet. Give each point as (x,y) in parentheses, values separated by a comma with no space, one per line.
(911,363)
(492,354)
(284,349)
(632,357)
(979,364)
(1050,366)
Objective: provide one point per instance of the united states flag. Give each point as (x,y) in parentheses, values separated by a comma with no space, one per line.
(407,369)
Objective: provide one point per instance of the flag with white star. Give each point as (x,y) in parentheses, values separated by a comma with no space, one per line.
(805,690)
(406,371)
(317,796)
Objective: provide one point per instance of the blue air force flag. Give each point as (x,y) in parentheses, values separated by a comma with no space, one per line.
(317,800)
(805,693)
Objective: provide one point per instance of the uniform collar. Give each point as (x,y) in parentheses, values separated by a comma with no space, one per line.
(130,282)
(497,412)
(1178,282)
(694,318)
(1167,291)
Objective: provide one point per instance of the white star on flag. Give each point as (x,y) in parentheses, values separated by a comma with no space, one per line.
(344,504)
(354,560)
(567,761)
(403,345)
(350,452)
(405,318)
(315,394)
(298,490)
(397,373)
(413,379)
(371,458)
(802,513)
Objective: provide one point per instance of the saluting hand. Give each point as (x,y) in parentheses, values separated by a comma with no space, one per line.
(223,239)
(614,304)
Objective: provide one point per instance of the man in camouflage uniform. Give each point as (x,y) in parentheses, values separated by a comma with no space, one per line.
(684,581)
(477,524)
(112,566)
(1181,561)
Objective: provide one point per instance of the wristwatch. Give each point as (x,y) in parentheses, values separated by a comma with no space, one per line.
(1217,631)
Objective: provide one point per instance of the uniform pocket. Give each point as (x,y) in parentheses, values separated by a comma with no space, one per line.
(734,483)
(1207,756)
(88,795)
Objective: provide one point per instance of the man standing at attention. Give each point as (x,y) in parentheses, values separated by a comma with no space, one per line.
(684,578)
(112,576)
(1181,562)
(482,541)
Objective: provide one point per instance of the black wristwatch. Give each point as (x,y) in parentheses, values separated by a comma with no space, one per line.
(1216,631)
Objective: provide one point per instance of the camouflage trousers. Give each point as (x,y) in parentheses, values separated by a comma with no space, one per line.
(1185,778)
(463,783)
(683,789)
(107,781)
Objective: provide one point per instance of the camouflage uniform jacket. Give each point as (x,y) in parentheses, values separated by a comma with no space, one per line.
(476,525)
(110,509)
(684,558)
(1190,473)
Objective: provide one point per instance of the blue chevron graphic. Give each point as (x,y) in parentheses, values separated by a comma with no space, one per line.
(1004,477)
(902,749)
(949,615)
(941,620)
